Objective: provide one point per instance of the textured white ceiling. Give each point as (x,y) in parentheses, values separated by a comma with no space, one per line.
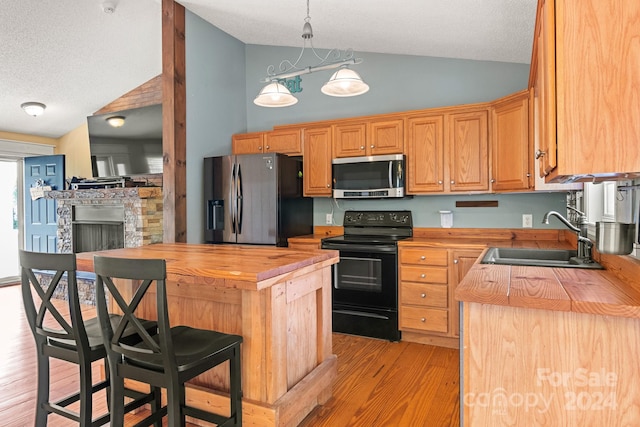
(75,58)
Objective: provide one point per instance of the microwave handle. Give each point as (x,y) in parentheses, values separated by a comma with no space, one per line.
(390,174)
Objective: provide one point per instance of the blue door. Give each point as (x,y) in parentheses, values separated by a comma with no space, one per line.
(40,216)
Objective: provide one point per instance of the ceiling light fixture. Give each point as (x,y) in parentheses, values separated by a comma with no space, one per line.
(344,82)
(115,121)
(34,109)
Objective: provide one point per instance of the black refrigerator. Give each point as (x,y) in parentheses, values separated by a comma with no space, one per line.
(255,199)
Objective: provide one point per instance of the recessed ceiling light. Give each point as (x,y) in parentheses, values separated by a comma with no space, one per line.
(34,109)
(115,121)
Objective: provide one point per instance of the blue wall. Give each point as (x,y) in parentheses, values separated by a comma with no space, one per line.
(216,106)
(222,65)
(397,83)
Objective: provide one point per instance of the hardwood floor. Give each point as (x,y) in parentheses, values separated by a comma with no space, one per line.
(379,383)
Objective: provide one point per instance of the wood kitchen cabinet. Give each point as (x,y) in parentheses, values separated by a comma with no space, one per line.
(584,78)
(428,276)
(317,161)
(448,151)
(468,149)
(368,138)
(425,154)
(247,143)
(510,149)
(285,141)
(462,260)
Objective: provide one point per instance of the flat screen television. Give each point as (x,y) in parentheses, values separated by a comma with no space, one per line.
(134,148)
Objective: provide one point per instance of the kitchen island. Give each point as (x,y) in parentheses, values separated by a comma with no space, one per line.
(550,346)
(278,299)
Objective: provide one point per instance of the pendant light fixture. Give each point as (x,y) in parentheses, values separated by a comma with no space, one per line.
(344,82)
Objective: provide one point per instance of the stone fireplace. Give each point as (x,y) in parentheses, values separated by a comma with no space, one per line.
(97,219)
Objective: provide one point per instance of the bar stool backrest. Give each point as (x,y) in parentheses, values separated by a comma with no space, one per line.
(45,320)
(147,271)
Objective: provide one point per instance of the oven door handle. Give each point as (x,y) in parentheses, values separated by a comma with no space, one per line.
(360,248)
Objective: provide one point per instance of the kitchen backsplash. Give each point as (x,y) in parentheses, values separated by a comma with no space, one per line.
(426,209)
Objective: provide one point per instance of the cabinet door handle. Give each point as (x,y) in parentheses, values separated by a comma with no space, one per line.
(455,261)
(423,275)
(440,181)
(423,295)
(453,182)
(422,319)
(540,153)
(260,148)
(328,185)
(373,146)
(493,180)
(268,147)
(423,257)
(362,147)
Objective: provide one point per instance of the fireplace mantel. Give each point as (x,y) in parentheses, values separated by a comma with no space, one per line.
(142,212)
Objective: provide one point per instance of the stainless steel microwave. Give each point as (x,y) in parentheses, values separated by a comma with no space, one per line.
(368,177)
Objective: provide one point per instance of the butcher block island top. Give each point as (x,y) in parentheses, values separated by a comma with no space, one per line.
(231,266)
(278,299)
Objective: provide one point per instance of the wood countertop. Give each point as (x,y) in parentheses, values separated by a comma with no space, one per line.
(233,266)
(613,291)
(550,288)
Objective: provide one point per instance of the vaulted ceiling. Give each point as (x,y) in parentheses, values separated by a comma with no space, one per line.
(74,57)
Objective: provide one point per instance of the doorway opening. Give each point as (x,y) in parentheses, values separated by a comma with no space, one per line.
(9,226)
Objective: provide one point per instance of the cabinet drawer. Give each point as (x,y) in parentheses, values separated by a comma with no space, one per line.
(424,256)
(425,319)
(424,294)
(424,274)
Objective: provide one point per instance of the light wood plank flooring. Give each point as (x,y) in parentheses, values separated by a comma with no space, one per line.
(379,383)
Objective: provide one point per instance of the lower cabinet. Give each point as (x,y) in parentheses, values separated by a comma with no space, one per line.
(427,277)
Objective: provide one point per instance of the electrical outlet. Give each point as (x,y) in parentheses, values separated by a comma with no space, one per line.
(329,219)
(527,220)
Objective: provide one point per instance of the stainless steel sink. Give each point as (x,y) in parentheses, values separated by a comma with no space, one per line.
(537,257)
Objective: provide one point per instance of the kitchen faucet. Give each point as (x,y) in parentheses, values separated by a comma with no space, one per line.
(584,243)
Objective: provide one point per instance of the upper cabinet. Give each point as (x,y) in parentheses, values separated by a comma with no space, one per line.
(584,78)
(285,141)
(425,153)
(448,151)
(510,148)
(386,136)
(468,141)
(317,162)
(350,140)
(247,143)
(368,138)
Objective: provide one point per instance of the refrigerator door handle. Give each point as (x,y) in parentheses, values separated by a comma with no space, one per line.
(232,199)
(239,195)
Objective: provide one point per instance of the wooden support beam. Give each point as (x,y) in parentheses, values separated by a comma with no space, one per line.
(174,137)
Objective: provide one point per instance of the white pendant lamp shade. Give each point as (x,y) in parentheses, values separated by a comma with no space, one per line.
(345,82)
(275,95)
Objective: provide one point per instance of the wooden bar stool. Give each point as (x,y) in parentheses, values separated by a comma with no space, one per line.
(78,341)
(169,359)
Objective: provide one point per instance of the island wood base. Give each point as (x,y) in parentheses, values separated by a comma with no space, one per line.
(278,299)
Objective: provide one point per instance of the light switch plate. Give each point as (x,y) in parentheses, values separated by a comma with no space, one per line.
(329,219)
(527,220)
